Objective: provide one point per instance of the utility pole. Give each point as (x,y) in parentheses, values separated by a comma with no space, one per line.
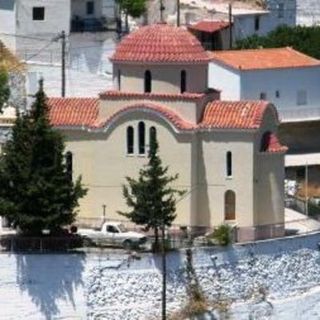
(62,36)
(162,8)
(230,26)
(178,13)
(306,192)
(164,273)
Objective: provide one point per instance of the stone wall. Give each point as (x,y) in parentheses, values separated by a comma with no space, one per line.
(269,278)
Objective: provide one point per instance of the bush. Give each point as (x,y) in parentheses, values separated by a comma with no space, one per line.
(222,234)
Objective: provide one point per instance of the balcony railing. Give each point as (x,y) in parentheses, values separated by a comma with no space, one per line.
(299,114)
(88,25)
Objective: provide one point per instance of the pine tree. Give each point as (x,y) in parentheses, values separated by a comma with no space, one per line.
(36,191)
(4,88)
(151,198)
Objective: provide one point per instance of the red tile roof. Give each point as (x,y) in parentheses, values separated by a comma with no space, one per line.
(160,43)
(186,96)
(233,114)
(264,59)
(217,115)
(84,112)
(272,144)
(209,26)
(73,111)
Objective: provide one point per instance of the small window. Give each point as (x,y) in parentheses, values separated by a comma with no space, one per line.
(152,134)
(229,205)
(90,7)
(277,94)
(130,140)
(119,79)
(263,96)
(265,141)
(280,10)
(229,164)
(147,82)
(257,23)
(183,84)
(302,98)
(69,164)
(38,13)
(142,137)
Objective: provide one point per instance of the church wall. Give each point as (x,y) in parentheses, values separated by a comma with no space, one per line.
(269,189)
(213,181)
(268,178)
(188,110)
(104,164)
(165,78)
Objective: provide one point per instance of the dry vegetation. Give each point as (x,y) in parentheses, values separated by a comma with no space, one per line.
(8,60)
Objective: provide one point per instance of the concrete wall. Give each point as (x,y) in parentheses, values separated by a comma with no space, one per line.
(244,24)
(249,84)
(57,17)
(8,22)
(287,81)
(108,285)
(225,79)
(165,78)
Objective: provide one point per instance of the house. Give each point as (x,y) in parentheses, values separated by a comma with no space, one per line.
(22,21)
(213,30)
(283,76)
(227,154)
(213,35)
(290,80)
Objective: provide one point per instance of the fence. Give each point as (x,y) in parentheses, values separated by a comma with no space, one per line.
(177,236)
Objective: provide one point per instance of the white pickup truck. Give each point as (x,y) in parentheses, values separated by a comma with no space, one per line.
(115,234)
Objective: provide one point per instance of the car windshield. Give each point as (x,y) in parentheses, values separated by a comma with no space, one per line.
(122,228)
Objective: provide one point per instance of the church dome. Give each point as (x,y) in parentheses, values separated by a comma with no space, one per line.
(160,43)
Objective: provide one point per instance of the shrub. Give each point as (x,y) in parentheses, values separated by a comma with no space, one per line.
(222,234)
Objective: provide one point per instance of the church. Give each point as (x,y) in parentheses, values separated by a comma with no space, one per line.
(227,154)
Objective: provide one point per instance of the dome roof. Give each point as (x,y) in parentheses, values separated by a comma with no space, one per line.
(160,43)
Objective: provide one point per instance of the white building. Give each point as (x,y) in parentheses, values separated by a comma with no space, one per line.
(20,19)
(283,76)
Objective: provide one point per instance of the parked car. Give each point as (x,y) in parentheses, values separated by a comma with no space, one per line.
(115,234)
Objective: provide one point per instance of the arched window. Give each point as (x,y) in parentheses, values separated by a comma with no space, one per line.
(69,164)
(130,140)
(119,79)
(147,82)
(229,205)
(152,134)
(229,164)
(142,137)
(265,141)
(183,81)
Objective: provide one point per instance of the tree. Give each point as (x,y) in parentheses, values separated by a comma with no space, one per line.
(133,8)
(301,38)
(36,191)
(4,88)
(151,198)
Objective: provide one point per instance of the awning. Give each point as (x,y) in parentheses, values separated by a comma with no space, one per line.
(298,160)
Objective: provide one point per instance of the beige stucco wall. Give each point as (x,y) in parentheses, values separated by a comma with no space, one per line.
(268,178)
(102,160)
(213,181)
(188,110)
(165,78)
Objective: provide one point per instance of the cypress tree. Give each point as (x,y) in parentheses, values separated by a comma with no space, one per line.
(36,191)
(151,198)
